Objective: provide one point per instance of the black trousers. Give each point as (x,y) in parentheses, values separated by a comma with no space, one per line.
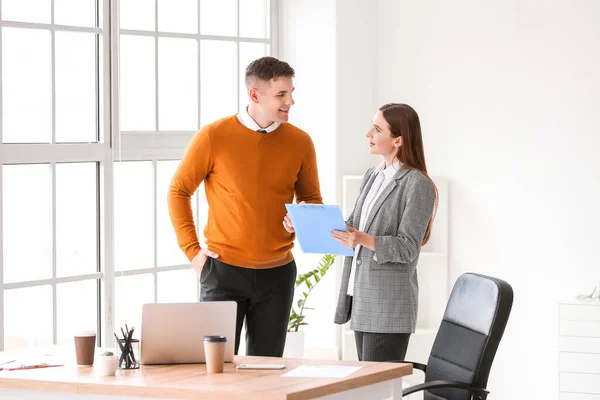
(264,300)
(381,346)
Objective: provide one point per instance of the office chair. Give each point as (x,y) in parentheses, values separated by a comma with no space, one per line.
(466,343)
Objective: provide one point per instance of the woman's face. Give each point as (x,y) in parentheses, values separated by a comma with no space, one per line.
(380,137)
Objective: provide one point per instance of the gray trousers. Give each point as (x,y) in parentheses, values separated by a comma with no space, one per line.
(381,346)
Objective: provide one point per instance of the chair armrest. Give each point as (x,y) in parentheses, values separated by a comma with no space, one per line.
(422,367)
(480,394)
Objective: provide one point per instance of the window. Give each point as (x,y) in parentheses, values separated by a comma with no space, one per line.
(50,254)
(94,119)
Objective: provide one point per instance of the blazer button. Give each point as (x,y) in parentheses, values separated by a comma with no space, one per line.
(358,262)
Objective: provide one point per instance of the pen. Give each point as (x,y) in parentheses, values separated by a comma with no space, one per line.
(7,362)
(32,367)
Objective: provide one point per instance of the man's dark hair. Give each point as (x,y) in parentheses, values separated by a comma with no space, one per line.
(267,68)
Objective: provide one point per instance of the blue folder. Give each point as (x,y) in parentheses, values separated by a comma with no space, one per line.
(314,223)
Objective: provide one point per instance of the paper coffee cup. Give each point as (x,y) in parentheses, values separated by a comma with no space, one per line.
(214,352)
(85,346)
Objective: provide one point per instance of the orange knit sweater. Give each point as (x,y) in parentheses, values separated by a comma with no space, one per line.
(249,177)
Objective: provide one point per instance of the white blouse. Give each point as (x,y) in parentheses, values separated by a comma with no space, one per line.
(384,177)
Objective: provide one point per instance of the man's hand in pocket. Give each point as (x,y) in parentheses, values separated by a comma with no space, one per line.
(200,259)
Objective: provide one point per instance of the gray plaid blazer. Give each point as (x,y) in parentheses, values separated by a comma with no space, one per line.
(386,290)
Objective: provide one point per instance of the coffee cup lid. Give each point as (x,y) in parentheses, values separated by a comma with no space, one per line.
(215,339)
(85,333)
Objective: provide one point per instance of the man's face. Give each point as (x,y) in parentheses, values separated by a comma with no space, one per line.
(274,99)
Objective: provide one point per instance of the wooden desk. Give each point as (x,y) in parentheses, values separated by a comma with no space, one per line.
(372,381)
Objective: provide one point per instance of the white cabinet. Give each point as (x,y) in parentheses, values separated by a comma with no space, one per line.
(579,350)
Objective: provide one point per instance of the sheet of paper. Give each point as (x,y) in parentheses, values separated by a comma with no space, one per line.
(322,371)
(30,361)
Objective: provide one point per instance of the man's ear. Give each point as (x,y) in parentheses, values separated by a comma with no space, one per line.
(253,94)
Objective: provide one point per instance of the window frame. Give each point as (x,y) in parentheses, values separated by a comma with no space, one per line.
(112,146)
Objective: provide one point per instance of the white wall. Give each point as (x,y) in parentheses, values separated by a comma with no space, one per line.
(307,42)
(507,92)
(355,106)
(355,70)
(329,43)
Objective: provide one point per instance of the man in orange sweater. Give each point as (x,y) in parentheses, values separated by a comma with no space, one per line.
(252,164)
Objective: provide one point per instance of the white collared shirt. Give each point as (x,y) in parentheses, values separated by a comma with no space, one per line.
(384,177)
(250,123)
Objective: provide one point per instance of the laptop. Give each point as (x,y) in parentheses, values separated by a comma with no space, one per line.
(173,333)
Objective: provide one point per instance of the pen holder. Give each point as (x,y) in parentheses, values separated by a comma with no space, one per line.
(128,353)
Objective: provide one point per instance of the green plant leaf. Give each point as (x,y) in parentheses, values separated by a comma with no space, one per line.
(297,316)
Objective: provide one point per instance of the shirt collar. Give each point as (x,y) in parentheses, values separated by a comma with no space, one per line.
(249,123)
(390,171)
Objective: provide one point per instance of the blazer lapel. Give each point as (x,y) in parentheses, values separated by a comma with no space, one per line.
(361,200)
(384,195)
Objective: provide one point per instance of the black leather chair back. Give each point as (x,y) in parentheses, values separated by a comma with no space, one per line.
(469,334)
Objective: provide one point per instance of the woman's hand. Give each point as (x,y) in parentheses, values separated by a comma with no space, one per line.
(353,237)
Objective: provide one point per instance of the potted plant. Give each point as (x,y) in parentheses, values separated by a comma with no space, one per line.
(106,363)
(305,283)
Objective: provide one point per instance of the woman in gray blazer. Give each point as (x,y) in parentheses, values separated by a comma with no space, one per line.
(391,220)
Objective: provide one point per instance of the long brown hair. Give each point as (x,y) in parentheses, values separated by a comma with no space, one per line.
(403,121)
